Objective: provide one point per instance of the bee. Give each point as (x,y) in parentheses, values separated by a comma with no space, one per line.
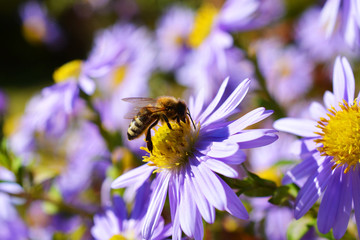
(150,111)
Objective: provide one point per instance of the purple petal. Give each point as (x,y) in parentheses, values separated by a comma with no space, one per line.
(329,99)
(248,119)
(312,190)
(343,81)
(174,206)
(189,213)
(345,205)
(317,111)
(305,168)
(87,85)
(210,186)
(300,127)
(356,195)
(206,210)
(222,149)
(328,16)
(329,204)
(215,101)
(222,168)
(135,176)
(230,103)
(238,158)
(233,204)
(156,204)
(267,138)
(196,105)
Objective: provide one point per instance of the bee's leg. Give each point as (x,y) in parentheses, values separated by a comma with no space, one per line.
(149,143)
(167,121)
(178,120)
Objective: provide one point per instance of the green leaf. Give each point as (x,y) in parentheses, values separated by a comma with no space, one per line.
(298,228)
(280,196)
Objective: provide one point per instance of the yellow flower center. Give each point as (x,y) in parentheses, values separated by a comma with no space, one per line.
(203,23)
(117,237)
(171,147)
(119,75)
(340,135)
(71,69)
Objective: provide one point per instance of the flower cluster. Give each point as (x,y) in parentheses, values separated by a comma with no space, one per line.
(172,120)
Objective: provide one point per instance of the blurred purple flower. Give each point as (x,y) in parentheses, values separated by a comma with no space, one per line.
(344,15)
(3,103)
(38,27)
(120,63)
(171,34)
(311,36)
(11,225)
(287,71)
(85,150)
(253,14)
(115,224)
(330,150)
(187,167)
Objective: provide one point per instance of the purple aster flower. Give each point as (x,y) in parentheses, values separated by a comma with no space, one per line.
(253,14)
(311,36)
(85,150)
(186,162)
(38,27)
(342,14)
(11,225)
(171,34)
(330,150)
(120,63)
(284,69)
(115,224)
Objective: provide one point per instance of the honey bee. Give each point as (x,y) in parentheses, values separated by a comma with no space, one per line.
(150,111)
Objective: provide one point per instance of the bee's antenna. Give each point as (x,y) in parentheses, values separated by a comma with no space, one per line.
(188,113)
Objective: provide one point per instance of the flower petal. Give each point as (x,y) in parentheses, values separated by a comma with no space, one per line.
(189,213)
(317,111)
(312,190)
(135,176)
(343,81)
(230,103)
(329,204)
(254,138)
(209,185)
(356,195)
(345,206)
(329,15)
(206,210)
(220,167)
(156,204)
(222,149)
(238,158)
(233,204)
(300,127)
(174,206)
(215,101)
(249,119)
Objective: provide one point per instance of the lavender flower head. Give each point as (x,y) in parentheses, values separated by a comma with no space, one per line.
(345,15)
(186,162)
(311,36)
(115,223)
(38,27)
(171,34)
(287,71)
(330,150)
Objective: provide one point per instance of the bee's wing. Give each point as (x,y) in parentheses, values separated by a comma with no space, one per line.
(138,102)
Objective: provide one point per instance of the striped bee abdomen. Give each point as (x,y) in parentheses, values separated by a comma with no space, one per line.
(138,125)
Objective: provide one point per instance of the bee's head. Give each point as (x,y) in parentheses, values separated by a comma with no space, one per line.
(181,110)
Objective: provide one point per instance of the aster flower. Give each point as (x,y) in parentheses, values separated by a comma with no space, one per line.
(114,222)
(284,68)
(38,26)
(311,36)
(345,15)
(330,150)
(186,161)
(171,34)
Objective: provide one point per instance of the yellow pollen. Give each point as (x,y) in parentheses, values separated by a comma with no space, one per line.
(68,70)
(117,237)
(202,25)
(171,147)
(119,75)
(340,135)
